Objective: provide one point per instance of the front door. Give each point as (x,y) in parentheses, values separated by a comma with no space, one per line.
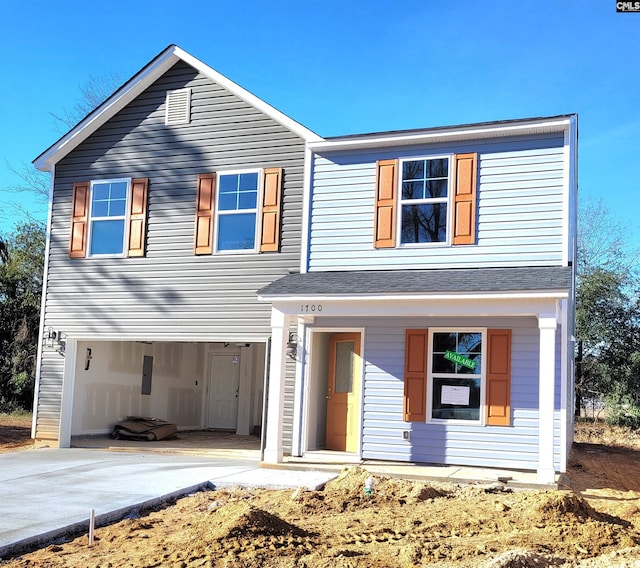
(223,391)
(343,396)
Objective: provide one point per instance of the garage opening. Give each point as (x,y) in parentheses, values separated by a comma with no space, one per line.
(210,388)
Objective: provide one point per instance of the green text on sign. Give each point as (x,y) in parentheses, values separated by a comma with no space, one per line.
(460,359)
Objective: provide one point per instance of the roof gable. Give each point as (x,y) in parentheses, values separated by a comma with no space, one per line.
(138,84)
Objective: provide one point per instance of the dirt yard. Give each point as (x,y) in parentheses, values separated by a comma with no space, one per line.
(15,432)
(593,523)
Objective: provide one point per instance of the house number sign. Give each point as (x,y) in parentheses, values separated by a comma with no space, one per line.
(309,308)
(460,359)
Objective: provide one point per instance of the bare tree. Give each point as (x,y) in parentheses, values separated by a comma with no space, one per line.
(603,240)
(92,94)
(32,180)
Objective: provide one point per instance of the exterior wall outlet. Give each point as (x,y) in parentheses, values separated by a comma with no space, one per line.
(406,435)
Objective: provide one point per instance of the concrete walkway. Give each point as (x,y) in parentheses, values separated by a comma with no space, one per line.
(47,493)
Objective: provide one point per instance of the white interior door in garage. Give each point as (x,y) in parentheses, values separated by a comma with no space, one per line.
(224,375)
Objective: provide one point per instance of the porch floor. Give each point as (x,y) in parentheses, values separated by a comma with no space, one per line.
(216,443)
(324,460)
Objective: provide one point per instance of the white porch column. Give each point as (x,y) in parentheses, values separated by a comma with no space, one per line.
(546,395)
(275,405)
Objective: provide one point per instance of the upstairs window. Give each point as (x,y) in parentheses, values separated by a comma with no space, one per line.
(107,217)
(237,211)
(423,201)
(426,201)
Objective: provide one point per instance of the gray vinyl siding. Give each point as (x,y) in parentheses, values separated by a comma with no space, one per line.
(170,294)
(520,212)
(509,447)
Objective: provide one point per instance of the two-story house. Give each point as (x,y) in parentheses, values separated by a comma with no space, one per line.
(434,303)
(402,296)
(171,204)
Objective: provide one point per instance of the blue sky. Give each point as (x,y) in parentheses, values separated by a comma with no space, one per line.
(346,66)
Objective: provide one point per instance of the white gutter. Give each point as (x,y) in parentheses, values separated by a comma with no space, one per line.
(551,295)
(470,132)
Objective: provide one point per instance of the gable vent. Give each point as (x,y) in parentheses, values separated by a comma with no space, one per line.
(178,107)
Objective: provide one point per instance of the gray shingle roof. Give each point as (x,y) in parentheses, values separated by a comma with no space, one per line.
(366,282)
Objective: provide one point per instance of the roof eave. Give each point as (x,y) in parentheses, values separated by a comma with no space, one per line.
(507,295)
(496,129)
(141,81)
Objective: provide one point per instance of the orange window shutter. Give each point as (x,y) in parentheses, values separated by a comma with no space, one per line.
(464,198)
(79,220)
(270,210)
(386,197)
(415,375)
(498,406)
(205,197)
(138,217)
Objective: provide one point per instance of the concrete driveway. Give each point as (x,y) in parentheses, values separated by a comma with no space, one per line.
(47,493)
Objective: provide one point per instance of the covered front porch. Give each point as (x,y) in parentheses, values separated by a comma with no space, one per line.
(537,436)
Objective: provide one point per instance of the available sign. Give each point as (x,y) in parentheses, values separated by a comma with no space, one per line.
(460,359)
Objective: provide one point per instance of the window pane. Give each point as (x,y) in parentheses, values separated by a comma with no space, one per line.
(425,223)
(413,170)
(248,181)
(119,190)
(456,399)
(238,191)
(248,200)
(109,199)
(117,208)
(442,365)
(469,345)
(228,184)
(413,190)
(437,168)
(469,342)
(107,237)
(436,188)
(228,201)
(344,366)
(101,191)
(444,342)
(464,370)
(100,209)
(236,232)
